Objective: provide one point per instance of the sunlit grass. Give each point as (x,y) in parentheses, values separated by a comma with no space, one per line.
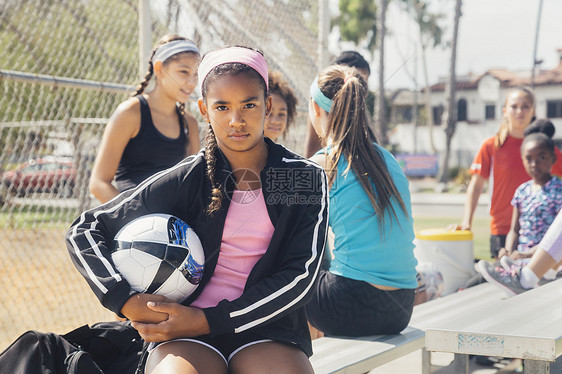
(480,230)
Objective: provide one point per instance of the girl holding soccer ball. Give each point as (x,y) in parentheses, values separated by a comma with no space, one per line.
(260,212)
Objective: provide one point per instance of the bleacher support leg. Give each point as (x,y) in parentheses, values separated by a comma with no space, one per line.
(536,367)
(426,361)
(461,363)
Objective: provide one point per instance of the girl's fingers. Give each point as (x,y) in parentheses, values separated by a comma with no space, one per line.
(140,327)
(148,331)
(159,306)
(150,337)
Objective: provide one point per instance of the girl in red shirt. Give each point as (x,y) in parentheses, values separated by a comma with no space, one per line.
(499,160)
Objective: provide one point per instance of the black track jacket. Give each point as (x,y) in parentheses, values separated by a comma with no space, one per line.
(296,194)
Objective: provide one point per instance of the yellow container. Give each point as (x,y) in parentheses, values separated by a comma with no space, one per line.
(451,252)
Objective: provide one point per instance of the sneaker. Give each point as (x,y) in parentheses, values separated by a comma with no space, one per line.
(544,281)
(509,264)
(512,265)
(508,281)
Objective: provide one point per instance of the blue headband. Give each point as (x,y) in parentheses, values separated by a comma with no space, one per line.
(165,51)
(319,98)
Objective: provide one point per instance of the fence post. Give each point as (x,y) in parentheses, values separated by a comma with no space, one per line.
(83,175)
(323,29)
(145,36)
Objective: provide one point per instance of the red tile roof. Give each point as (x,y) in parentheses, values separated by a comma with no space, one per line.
(509,79)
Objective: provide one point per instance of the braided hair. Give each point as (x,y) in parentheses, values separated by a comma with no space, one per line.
(211,149)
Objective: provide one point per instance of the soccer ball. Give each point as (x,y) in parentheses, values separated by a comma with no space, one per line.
(159,254)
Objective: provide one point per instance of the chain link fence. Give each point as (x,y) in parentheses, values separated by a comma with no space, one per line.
(65,67)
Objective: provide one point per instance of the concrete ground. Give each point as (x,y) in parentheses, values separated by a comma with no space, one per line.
(428,203)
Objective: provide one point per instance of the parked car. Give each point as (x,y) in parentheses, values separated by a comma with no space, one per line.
(48,174)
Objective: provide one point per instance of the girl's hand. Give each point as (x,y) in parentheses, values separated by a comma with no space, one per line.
(136,310)
(182,322)
(516,255)
(502,252)
(455,227)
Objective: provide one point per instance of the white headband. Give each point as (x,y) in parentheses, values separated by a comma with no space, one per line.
(165,51)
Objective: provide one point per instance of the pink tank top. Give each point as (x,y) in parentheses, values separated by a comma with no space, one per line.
(246,236)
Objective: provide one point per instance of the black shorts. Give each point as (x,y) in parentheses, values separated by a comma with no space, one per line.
(497,242)
(342,306)
(226,345)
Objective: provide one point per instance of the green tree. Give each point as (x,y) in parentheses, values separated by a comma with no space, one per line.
(357,22)
(364,22)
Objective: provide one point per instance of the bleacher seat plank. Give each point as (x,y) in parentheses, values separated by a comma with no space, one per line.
(359,355)
(436,312)
(527,326)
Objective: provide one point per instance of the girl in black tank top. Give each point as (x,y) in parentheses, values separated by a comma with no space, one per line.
(133,147)
(150,151)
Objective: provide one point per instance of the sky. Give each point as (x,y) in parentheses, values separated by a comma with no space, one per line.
(492,34)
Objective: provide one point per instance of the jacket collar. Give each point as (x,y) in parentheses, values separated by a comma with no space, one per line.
(274,159)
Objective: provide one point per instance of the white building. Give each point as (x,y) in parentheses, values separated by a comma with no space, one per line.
(480,99)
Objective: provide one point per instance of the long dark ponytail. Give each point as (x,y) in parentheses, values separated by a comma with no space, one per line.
(348,132)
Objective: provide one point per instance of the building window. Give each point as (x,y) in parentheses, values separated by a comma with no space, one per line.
(437,114)
(490,111)
(554,109)
(462,110)
(407,115)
